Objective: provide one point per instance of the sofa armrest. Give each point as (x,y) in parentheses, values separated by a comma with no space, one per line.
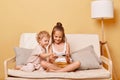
(7,63)
(107,62)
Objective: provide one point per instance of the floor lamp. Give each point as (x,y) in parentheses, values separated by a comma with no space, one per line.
(102,9)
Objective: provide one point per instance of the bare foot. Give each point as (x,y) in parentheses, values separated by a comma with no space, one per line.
(17,67)
(50,70)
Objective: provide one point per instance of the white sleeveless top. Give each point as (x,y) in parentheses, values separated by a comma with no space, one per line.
(61,55)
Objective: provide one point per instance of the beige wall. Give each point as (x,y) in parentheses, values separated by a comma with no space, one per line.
(19,16)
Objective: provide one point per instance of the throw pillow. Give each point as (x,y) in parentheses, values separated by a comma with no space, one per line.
(22,54)
(87,58)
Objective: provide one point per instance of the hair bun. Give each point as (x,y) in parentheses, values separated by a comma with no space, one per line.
(59,24)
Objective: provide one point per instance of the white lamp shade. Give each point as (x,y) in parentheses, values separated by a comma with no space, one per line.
(102,9)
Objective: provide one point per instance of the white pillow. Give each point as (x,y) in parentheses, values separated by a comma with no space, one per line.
(22,54)
(87,58)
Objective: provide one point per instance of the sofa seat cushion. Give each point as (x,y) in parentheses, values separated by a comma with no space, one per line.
(80,74)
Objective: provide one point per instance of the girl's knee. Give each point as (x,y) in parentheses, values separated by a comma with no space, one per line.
(44,64)
(78,63)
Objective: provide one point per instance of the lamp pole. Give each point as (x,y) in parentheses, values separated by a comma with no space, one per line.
(103,40)
(102,30)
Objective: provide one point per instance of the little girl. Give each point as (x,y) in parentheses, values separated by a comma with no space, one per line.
(61,50)
(38,55)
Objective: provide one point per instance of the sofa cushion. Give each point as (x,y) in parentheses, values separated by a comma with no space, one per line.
(22,55)
(80,74)
(87,58)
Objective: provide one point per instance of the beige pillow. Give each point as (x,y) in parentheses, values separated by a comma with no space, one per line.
(22,54)
(87,57)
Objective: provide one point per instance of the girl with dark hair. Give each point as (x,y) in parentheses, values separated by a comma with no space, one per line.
(61,50)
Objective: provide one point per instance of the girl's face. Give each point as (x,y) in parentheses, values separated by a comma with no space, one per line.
(57,36)
(44,42)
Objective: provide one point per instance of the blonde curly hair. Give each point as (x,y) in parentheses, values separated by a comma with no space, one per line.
(42,34)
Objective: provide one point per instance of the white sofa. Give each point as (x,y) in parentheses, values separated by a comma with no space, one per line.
(77,42)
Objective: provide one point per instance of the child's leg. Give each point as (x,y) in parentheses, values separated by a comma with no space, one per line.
(28,68)
(70,67)
(50,66)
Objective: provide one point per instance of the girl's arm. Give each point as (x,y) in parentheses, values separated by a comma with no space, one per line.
(67,53)
(45,55)
(52,57)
